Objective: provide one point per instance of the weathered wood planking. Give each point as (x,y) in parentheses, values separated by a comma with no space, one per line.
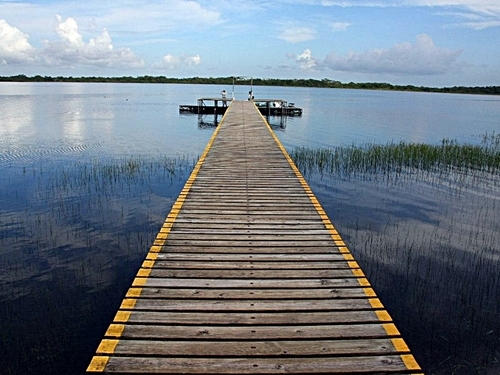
(249,276)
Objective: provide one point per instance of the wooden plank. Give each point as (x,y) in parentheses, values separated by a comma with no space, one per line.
(250,305)
(247,243)
(329,365)
(245,248)
(248,217)
(242,225)
(251,274)
(238,318)
(193,349)
(229,230)
(217,236)
(241,294)
(265,222)
(234,265)
(255,197)
(217,257)
(254,332)
(278,210)
(160,282)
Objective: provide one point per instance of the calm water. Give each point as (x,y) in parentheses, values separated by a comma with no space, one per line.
(89,172)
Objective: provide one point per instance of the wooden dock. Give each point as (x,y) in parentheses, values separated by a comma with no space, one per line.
(249,276)
(268,107)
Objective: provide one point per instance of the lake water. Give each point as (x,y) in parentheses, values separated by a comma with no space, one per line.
(90,171)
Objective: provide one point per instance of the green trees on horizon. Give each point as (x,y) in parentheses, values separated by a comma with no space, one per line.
(323,83)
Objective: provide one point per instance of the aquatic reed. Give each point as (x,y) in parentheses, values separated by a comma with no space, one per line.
(398,157)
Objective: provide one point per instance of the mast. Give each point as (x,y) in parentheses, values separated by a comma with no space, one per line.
(233,87)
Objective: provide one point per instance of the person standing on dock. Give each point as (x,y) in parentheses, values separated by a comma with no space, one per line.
(224,97)
(250,95)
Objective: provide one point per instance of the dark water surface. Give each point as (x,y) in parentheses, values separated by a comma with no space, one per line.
(90,171)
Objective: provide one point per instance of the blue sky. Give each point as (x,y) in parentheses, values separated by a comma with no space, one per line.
(418,42)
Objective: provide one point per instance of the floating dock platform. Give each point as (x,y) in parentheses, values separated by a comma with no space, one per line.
(218,106)
(249,276)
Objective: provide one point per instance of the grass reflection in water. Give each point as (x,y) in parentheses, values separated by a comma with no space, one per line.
(423,221)
(72,237)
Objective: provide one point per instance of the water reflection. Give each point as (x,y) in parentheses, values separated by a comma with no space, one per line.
(16,119)
(81,116)
(212,121)
(429,245)
(71,240)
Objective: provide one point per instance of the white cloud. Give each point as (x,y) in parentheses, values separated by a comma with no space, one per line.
(340,26)
(484,5)
(129,22)
(480,25)
(72,50)
(297,34)
(68,31)
(305,61)
(148,17)
(421,58)
(14,46)
(486,12)
(476,21)
(172,62)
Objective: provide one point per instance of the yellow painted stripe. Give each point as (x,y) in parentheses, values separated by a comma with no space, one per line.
(353,264)
(115,330)
(163,234)
(369,292)
(134,293)
(144,272)
(128,303)
(152,256)
(98,364)
(363,281)
(383,316)
(348,256)
(358,273)
(122,316)
(148,263)
(107,346)
(375,303)
(400,345)
(155,249)
(139,281)
(390,329)
(330,226)
(410,362)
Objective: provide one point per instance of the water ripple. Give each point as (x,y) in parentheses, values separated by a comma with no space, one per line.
(17,155)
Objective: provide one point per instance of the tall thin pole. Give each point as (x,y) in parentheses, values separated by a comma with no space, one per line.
(233,87)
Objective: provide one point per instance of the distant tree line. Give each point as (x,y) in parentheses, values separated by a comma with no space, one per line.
(324,83)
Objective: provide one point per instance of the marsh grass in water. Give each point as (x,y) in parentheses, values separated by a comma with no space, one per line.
(398,157)
(72,237)
(424,223)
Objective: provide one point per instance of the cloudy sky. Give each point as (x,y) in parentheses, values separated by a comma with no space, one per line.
(419,42)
